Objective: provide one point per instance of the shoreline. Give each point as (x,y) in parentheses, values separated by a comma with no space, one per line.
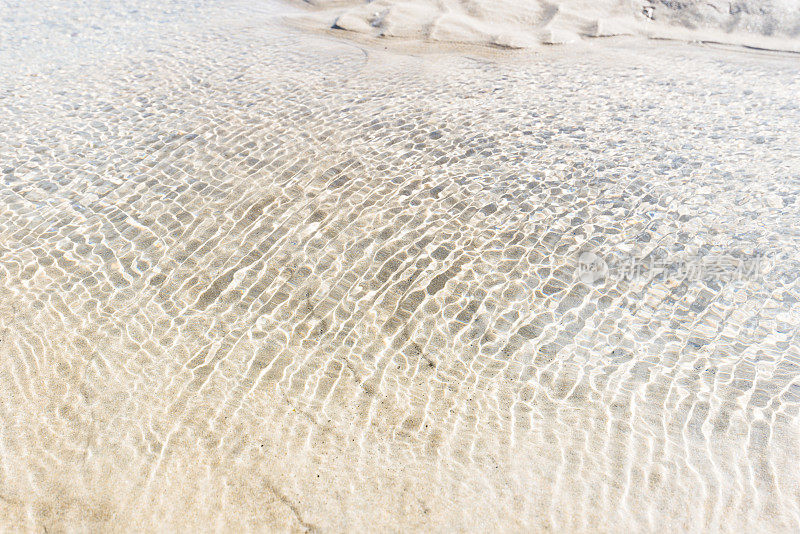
(323,20)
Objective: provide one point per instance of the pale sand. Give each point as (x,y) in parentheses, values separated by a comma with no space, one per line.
(767,24)
(256,280)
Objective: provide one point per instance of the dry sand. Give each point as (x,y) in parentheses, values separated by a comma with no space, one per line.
(770,24)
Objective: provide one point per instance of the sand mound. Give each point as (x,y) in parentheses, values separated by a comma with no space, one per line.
(762,17)
(527,23)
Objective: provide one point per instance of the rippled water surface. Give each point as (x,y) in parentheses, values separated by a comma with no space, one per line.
(255,279)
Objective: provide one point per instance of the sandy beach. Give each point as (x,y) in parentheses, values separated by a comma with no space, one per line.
(529,24)
(261,275)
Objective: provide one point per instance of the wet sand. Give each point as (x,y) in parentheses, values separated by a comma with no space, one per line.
(256,279)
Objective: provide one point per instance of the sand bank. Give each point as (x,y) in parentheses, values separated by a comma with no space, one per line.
(770,24)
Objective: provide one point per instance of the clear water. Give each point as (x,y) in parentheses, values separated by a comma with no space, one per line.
(255,279)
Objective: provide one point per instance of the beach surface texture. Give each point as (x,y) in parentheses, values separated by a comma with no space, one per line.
(771,24)
(258,278)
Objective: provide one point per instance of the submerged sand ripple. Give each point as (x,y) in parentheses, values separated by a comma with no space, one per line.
(253,280)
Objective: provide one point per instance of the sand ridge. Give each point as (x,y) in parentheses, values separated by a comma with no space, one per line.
(773,24)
